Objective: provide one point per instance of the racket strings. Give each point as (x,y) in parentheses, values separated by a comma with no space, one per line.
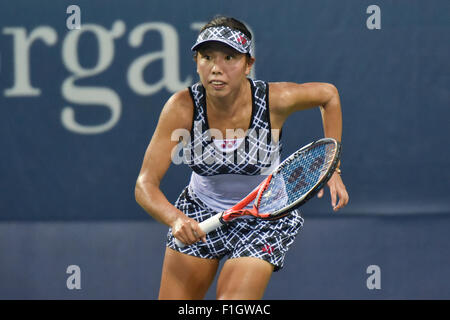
(298,176)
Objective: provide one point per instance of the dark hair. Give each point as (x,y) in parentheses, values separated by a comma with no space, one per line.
(232,23)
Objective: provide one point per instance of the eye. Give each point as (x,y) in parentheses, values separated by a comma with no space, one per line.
(229,57)
(206,57)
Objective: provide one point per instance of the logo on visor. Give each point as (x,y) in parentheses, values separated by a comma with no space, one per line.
(242,40)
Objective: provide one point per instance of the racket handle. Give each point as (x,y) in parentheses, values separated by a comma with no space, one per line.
(207,226)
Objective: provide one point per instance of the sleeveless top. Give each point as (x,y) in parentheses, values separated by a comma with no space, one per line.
(226,169)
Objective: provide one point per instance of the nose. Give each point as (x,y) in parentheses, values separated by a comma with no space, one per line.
(216,68)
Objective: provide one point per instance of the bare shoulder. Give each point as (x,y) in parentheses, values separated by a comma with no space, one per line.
(278,91)
(178,111)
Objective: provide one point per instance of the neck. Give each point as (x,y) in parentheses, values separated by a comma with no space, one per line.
(231,102)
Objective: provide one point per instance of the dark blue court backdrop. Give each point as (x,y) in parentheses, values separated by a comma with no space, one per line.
(78,107)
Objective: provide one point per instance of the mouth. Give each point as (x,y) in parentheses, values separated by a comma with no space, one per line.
(217,84)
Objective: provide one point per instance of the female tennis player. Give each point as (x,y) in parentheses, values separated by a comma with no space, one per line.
(234,129)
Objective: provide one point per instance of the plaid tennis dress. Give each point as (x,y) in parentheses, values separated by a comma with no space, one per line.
(245,163)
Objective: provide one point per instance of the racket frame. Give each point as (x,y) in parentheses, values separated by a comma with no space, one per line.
(239,210)
(278,214)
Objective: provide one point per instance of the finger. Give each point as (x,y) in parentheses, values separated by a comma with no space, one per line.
(343,199)
(197,232)
(176,232)
(181,230)
(346,198)
(198,237)
(181,237)
(191,233)
(333,197)
(184,233)
(339,205)
(320,193)
(200,234)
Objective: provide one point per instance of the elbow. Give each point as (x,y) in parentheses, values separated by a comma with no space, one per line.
(138,191)
(331,96)
(331,90)
(143,190)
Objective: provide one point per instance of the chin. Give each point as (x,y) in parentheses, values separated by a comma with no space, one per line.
(218,92)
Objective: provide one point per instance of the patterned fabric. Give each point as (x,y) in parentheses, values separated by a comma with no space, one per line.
(232,37)
(266,240)
(255,155)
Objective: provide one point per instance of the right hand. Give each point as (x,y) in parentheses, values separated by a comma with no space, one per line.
(187,230)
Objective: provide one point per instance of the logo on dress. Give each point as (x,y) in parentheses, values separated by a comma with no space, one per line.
(228,144)
(267,248)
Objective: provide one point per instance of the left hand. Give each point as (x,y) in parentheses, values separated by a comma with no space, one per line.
(337,190)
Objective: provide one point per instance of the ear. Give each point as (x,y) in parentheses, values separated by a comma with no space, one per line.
(194,57)
(250,62)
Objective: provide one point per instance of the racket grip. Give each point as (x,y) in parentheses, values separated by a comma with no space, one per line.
(207,226)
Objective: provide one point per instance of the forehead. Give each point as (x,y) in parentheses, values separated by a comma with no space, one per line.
(216,46)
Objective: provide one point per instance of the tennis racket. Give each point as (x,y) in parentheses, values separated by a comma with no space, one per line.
(296,180)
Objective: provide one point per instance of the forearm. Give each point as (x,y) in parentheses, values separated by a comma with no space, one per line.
(332,117)
(154,202)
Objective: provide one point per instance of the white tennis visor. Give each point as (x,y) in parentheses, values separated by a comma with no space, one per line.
(231,37)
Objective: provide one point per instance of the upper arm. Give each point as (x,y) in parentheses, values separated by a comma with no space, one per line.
(176,114)
(288,97)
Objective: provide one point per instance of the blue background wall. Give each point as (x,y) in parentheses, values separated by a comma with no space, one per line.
(67,195)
